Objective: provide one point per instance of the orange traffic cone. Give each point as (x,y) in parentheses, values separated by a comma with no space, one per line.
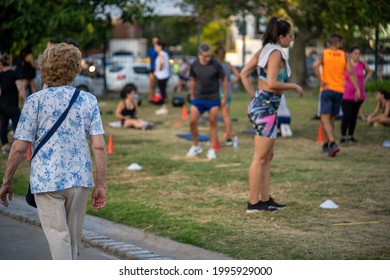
(110,149)
(320,136)
(28,153)
(217,147)
(177,123)
(184,114)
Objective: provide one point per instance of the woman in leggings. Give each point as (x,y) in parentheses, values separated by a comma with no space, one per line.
(273,68)
(351,103)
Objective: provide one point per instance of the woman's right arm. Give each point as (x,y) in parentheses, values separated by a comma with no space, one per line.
(247,71)
(21,90)
(372,117)
(119,109)
(272,84)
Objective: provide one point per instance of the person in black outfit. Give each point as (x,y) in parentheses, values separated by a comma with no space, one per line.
(28,69)
(127,110)
(12,89)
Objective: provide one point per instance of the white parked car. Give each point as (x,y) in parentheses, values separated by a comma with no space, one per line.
(119,75)
(81,82)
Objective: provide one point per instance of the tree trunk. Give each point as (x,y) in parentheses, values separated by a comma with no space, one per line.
(298,58)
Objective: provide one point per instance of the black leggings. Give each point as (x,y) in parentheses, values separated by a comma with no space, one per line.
(162,85)
(350,113)
(7,113)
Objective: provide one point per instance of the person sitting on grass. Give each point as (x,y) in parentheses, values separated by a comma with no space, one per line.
(127,110)
(381,114)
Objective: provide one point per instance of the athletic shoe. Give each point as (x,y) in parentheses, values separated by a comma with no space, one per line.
(333,150)
(229,142)
(211,154)
(325,148)
(259,206)
(353,140)
(162,111)
(194,151)
(273,204)
(343,141)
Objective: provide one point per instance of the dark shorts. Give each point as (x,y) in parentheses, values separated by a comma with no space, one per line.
(183,78)
(330,102)
(283,119)
(205,105)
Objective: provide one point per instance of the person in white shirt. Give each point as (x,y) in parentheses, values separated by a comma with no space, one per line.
(162,73)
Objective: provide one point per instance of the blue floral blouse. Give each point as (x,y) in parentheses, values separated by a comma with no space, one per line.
(65,160)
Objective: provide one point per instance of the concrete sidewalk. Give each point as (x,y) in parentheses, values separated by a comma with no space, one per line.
(24,239)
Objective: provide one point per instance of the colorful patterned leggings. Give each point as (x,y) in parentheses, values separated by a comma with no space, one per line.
(262,113)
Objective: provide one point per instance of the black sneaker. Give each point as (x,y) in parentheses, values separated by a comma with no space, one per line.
(229,142)
(259,206)
(343,141)
(333,150)
(273,204)
(325,148)
(353,140)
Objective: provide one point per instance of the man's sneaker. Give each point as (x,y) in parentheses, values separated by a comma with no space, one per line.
(273,204)
(211,154)
(229,142)
(162,111)
(259,206)
(353,140)
(333,150)
(325,148)
(343,141)
(194,150)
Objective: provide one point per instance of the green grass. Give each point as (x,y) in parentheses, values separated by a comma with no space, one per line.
(203,202)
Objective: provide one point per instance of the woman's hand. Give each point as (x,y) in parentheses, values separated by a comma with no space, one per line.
(299,90)
(98,198)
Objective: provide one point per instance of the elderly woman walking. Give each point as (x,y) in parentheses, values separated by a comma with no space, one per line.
(61,171)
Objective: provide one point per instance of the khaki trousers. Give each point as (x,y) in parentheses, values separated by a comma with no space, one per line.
(62,216)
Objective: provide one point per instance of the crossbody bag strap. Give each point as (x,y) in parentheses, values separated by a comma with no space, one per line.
(57,124)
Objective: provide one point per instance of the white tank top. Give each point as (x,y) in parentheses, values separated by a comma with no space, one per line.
(165,71)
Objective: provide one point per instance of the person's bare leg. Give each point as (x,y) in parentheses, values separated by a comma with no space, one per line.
(194,118)
(326,124)
(265,192)
(260,168)
(152,85)
(179,86)
(33,86)
(227,121)
(213,121)
(384,121)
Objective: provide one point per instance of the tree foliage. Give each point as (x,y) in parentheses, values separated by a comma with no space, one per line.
(36,21)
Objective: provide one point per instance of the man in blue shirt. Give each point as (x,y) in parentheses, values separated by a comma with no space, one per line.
(152,54)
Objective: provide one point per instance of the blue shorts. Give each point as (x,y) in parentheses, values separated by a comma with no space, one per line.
(330,102)
(205,105)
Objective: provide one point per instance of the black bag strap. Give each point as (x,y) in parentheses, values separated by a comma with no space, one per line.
(57,124)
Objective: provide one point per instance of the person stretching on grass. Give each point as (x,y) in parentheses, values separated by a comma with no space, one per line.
(272,63)
(381,112)
(127,110)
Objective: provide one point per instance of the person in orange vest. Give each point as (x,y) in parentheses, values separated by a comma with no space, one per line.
(334,62)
